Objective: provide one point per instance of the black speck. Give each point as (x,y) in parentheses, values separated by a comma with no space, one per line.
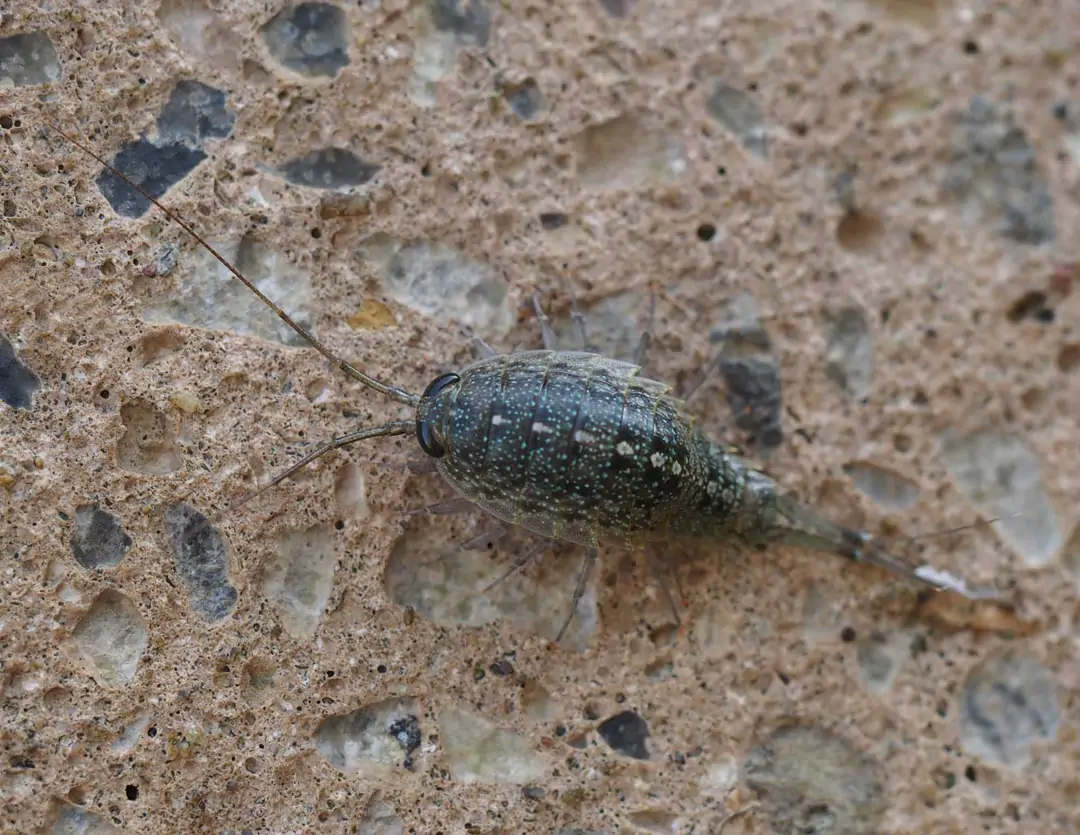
(17,382)
(502,668)
(626,733)
(847,634)
(381,668)
(552,220)
(706,232)
(971,47)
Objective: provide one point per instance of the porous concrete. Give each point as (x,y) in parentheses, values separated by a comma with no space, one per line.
(867,211)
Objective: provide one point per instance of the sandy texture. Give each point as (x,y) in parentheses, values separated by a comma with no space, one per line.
(882,196)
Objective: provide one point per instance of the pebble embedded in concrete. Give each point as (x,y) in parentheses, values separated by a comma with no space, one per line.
(1001,477)
(350,493)
(201,561)
(524,98)
(1009,704)
(995,175)
(201,32)
(741,116)
(381,818)
(203,294)
(879,658)
(889,489)
(111,637)
(448,585)
(298,581)
(155,169)
(626,734)
(28,59)
(468,20)
(750,372)
(613,325)
(17,382)
(810,780)
(441,283)
(194,113)
(329,168)
(148,445)
(849,352)
(626,153)
(73,820)
(374,740)
(98,541)
(478,751)
(310,39)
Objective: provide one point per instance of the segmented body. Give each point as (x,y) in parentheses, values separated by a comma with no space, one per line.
(582,448)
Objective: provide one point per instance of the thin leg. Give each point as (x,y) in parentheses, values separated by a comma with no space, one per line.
(702,378)
(415,466)
(519,563)
(485,350)
(397,427)
(486,539)
(445,508)
(545,323)
(579,590)
(646,335)
(654,564)
(578,318)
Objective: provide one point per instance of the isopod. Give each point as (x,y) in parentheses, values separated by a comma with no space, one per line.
(577,447)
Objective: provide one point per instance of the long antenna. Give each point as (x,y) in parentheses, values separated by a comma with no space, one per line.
(393,392)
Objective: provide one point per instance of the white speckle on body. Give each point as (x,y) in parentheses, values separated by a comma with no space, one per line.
(583,437)
(497,420)
(676,468)
(657,459)
(541,428)
(624,448)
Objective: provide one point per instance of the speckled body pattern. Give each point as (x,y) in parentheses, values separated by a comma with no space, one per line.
(581,448)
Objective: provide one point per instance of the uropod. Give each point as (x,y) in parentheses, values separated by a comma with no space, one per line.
(576,447)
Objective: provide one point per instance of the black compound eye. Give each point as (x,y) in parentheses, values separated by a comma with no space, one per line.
(439,383)
(426,437)
(424,434)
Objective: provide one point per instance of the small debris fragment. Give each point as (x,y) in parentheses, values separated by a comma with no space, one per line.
(373,315)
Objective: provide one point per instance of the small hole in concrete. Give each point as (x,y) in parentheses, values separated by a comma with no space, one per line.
(6,122)
(971,47)
(706,232)
(131,792)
